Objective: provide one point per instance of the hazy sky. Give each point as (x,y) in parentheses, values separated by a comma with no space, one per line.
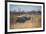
(24,7)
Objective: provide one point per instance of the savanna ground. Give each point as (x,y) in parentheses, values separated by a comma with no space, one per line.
(34,22)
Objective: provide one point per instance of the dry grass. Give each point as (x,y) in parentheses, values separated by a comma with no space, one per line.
(32,23)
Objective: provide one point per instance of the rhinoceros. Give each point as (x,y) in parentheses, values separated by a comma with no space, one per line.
(22,19)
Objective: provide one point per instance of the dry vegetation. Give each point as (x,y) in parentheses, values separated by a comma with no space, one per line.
(34,22)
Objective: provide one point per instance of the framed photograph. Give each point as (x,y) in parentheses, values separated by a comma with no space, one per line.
(22,16)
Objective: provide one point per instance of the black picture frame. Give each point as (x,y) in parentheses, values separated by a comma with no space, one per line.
(25,2)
